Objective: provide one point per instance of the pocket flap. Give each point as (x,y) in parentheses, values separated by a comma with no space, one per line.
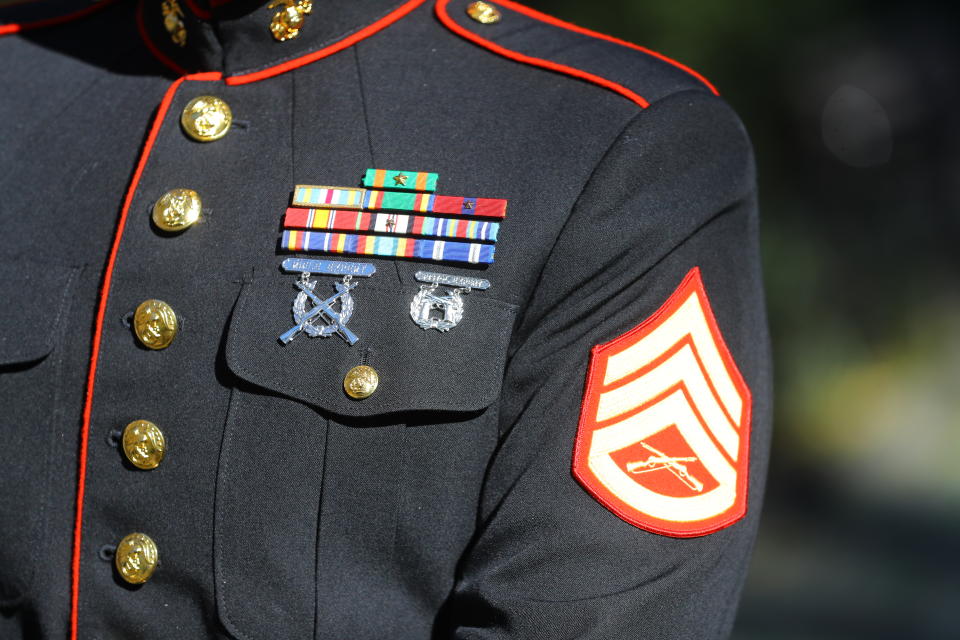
(419,370)
(34,298)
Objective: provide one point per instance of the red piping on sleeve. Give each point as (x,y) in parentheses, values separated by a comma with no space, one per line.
(441,10)
(7,29)
(350,40)
(95,346)
(527,11)
(153,48)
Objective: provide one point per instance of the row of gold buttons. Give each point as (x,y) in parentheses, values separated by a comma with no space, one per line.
(204,119)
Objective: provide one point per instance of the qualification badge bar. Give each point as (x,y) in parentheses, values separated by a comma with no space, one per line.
(386,217)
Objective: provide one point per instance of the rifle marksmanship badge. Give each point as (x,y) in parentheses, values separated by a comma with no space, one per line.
(385,218)
(664,433)
(434,308)
(317,313)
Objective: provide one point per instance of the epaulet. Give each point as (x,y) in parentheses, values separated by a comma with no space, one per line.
(522,34)
(37,14)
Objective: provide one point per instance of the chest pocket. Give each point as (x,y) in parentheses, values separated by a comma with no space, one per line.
(33,317)
(306,469)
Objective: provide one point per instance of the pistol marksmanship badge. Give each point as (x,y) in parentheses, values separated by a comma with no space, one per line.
(317,314)
(442,311)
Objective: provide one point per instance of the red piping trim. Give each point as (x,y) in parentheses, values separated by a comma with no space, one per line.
(441,10)
(276,70)
(8,29)
(350,40)
(587,32)
(154,49)
(95,346)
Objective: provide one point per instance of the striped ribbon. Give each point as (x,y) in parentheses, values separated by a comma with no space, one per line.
(395,223)
(400,180)
(387,246)
(371,199)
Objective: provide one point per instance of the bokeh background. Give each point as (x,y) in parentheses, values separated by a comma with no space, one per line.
(854,113)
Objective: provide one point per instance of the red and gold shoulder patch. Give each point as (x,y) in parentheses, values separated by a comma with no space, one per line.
(664,431)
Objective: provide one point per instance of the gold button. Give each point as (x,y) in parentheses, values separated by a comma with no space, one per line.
(289,18)
(206,118)
(177,209)
(155,324)
(483,12)
(144,444)
(173,22)
(136,558)
(360,382)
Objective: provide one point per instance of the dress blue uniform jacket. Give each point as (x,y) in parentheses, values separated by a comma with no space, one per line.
(465,498)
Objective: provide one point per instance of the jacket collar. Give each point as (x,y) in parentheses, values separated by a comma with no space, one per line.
(237,36)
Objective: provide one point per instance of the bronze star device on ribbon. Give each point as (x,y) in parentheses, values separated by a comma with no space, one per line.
(383,218)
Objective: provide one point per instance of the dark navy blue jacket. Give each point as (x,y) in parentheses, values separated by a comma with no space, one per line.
(466,498)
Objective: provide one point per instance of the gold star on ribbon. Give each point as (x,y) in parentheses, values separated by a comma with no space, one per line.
(468,204)
(400,180)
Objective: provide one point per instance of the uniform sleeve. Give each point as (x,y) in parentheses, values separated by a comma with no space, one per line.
(672,201)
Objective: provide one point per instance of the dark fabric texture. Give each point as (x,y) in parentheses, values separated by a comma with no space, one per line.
(35,10)
(35,315)
(418,369)
(443,506)
(263,550)
(652,79)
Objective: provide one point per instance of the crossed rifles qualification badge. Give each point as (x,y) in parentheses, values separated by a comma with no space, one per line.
(383,218)
(316,315)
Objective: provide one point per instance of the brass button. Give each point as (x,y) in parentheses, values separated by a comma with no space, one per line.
(155,324)
(177,209)
(144,444)
(360,382)
(206,118)
(483,12)
(173,22)
(289,18)
(136,558)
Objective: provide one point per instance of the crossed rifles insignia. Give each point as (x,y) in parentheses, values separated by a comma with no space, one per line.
(316,316)
(659,460)
(320,317)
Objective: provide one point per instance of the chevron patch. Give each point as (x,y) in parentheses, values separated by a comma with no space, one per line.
(664,430)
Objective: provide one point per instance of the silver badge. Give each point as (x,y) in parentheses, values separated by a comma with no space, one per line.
(317,316)
(463,282)
(441,311)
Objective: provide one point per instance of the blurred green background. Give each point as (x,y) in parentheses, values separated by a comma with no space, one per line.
(854,113)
